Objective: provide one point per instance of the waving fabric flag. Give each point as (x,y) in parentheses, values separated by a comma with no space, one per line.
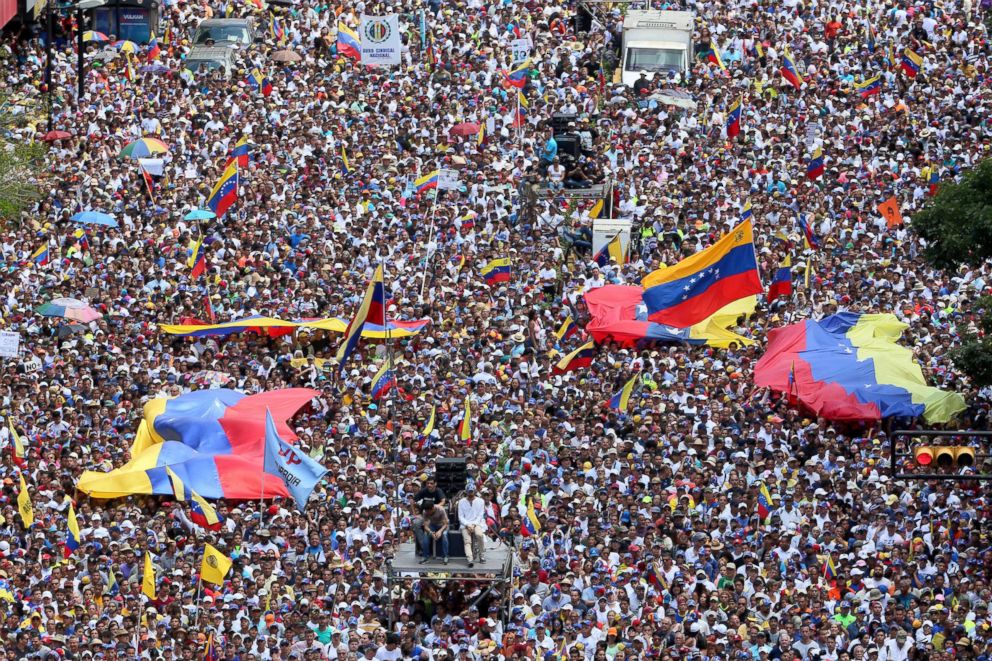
(809,238)
(24,503)
(17,444)
(690,291)
(712,55)
(790,71)
(612,251)
(465,426)
(848,367)
(214,566)
(815,168)
(202,512)
(225,193)
(581,357)
(427,181)
(241,153)
(869,87)
(198,259)
(71,533)
(260,82)
(41,256)
(766,505)
(349,44)
(372,303)
(298,471)
(621,400)
(734,118)
(567,330)
(383,381)
(781,285)
(531,524)
(518,77)
(911,63)
(211,439)
(497,271)
(148,577)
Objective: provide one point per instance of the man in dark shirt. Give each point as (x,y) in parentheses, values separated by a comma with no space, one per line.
(435,531)
(430,491)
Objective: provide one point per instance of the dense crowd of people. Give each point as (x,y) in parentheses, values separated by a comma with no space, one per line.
(650,543)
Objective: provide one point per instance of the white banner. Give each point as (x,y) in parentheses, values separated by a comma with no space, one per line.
(381,42)
(10,343)
(448,180)
(520,49)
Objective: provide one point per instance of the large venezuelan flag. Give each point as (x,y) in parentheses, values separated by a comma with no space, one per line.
(688,292)
(225,192)
(211,439)
(848,367)
(349,43)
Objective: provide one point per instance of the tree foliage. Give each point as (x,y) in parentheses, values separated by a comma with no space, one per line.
(21,164)
(957,224)
(957,228)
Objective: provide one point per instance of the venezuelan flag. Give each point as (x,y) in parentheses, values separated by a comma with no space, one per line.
(225,193)
(82,238)
(848,366)
(154,50)
(531,524)
(656,577)
(766,505)
(202,512)
(383,381)
(621,400)
(465,426)
(815,168)
(712,55)
(518,77)
(212,439)
(16,442)
(429,427)
(781,285)
(611,251)
(72,533)
(276,30)
(869,87)
(349,44)
(41,256)
(829,568)
(734,118)
(496,271)
(790,71)
(911,62)
(692,290)
(809,238)
(345,164)
(934,180)
(198,259)
(241,154)
(746,213)
(581,357)
(568,329)
(426,182)
(260,82)
(353,333)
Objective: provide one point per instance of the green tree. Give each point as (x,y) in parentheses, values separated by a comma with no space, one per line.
(21,164)
(957,228)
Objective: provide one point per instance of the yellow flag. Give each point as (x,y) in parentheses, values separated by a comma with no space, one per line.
(24,504)
(148,578)
(16,440)
(215,566)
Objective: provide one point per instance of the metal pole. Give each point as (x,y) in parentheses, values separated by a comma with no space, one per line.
(49,33)
(430,235)
(199,587)
(80,64)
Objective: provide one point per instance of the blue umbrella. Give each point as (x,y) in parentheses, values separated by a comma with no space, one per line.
(200,214)
(95,218)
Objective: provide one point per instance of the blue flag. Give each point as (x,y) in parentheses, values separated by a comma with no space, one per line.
(294,467)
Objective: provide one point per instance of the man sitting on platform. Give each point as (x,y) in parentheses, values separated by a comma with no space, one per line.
(472,519)
(435,529)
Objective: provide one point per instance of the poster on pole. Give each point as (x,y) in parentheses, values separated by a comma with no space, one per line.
(381,42)
(10,344)
(520,49)
(447,179)
(604,229)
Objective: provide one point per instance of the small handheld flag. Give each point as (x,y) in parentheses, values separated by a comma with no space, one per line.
(531,524)
(260,82)
(790,71)
(781,284)
(353,332)
(815,168)
(497,271)
(72,533)
(148,577)
(214,566)
(809,238)
(568,329)
(766,505)
(24,504)
(621,400)
(16,442)
(581,357)
(911,62)
(734,118)
(869,87)
(198,259)
(891,212)
(611,251)
(383,381)
(465,426)
(41,256)
(225,192)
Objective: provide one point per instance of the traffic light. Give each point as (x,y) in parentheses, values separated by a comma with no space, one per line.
(945,456)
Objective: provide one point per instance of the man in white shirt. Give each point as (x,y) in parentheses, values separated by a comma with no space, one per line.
(472,519)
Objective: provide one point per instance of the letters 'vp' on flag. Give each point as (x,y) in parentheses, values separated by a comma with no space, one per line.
(295,468)
(692,290)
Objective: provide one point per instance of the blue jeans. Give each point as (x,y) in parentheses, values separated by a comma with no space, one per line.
(428,540)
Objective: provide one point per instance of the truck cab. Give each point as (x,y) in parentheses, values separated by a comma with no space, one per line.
(656,42)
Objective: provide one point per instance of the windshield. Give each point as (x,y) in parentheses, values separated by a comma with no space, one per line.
(653,59)
(221,34)
(197,66)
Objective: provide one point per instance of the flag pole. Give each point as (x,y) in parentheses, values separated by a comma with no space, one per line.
(430,236)
(391,366)
(520,137)
(199,588)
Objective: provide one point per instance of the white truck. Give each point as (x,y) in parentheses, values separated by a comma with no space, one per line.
(656,41)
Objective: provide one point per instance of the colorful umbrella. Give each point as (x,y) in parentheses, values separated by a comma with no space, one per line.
(68,308)
(143,148)
(95,218)
(52,136)
(465,128)
(93,35)
(126,46)
(200,214)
